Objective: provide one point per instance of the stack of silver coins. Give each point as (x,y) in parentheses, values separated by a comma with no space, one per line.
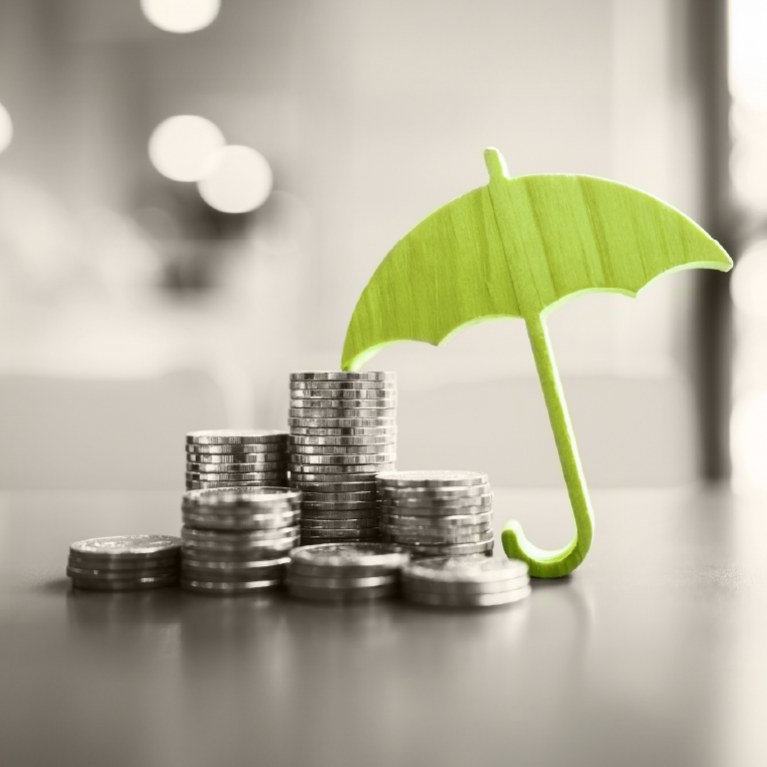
(124,562)
(237,540)
(346,572)
(236,458)
(470,581)
(342,433)
(437,513)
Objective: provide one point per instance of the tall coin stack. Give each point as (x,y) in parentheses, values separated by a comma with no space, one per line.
(437,513)
(342,433)
(237,540)
(236,458)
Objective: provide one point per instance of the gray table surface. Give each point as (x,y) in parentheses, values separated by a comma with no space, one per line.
(653,653)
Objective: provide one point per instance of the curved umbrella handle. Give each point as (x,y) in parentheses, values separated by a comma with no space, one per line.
(558,562)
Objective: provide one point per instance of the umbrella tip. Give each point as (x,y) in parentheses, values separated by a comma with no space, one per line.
(496,165)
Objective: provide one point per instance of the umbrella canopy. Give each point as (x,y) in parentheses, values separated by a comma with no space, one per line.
(518,247)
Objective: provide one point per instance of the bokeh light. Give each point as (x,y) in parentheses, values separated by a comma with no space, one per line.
(238,180)
(181,147)
(181,16)
(6,128)
(749,281)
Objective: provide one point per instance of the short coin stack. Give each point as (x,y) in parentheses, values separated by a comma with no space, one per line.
(342,432)
(470,581)
(124,562)
(237,540)
(346,572)
(235,458)
(437,513)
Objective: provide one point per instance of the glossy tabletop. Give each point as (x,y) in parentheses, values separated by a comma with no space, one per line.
(653,653)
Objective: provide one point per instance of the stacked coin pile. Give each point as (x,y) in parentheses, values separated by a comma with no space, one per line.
(235,458)
(342,432)
(469,581)
(346,572)
(124,562)
(237,540)
(437,513)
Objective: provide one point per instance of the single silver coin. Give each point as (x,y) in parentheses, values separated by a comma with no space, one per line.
(126,546)
(224,588)
(239,542)
(220,522)
(223,462)
(121,575)
(298,442)
(346,422)
(481,587)
(255,496)
(126,584)
(123,568)
(343,375)
(342,595)
(264,522)
(357,384)
(221,476)
(436,478)
(376,415)
(449,522)
(333,514)
(331,497)
(437,538)
(271,480)
(345,555)
(300,478)
(494,599)
(350,408)
(232,579)
(233,469)
(254,550)
(350,523)
(449,549)
(389,432)
(226,565)
(341,581)
(434,530)
(474,505)
(240,459)
(348,567)
(474,569)
(276,510)
(342,395)
(352,485)
(229,451)
(365,505)
(342,449)
(327,536)
(167,559)
(346,459)
(412,499)
(433,495)
(225,537)
(235,436)
(340,471)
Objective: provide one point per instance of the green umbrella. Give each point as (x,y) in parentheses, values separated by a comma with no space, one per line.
(519,247)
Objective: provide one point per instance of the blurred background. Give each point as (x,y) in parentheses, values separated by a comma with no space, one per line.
(193,193)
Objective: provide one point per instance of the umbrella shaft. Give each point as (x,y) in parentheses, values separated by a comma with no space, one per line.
(564,437)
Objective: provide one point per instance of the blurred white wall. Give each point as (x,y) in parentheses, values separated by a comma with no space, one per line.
(372,114)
